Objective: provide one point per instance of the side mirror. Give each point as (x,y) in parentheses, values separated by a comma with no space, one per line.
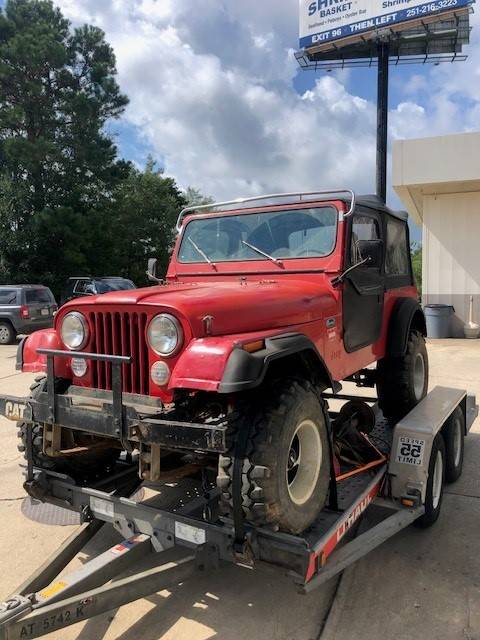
(372,251)
(152,270)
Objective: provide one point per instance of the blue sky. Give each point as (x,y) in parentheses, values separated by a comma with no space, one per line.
(217,97)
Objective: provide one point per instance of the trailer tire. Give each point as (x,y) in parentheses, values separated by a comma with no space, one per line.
(454,436)
(402,382)
(80,468)
(286,468)
(435,484)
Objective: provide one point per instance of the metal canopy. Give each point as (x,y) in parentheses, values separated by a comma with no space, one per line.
(427,41)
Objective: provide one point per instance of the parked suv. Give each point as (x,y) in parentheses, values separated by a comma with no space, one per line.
(268,303)
(24,309)
(77,287)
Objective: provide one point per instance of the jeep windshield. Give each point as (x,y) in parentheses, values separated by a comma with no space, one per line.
(292,233)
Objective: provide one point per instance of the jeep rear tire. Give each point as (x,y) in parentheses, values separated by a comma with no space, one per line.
(81,467)
(7,333)
(286,469)
(403,381)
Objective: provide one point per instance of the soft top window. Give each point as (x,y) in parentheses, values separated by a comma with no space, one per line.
(301,233)
(397,261)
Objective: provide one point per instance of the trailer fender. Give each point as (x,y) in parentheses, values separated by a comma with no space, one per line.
(407,315)
(28,360)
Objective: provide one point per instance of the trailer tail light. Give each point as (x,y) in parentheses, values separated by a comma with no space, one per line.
(24,312)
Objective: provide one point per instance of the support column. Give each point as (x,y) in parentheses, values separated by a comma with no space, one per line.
(382,119)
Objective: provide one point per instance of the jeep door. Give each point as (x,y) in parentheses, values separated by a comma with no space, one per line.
(364,286)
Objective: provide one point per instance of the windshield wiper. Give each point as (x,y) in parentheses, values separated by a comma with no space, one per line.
(262,253)
(202,253)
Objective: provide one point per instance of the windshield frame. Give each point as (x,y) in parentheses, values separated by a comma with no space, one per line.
(225,264)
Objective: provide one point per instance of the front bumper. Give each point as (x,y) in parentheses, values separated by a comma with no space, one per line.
(111,414)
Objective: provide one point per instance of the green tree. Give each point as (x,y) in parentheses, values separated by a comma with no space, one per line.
(58,168)
(417,265)
(140,223)
(194,197)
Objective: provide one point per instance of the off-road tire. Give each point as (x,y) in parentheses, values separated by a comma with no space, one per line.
(82,467)
(272,417)
(454,448)
(7,333)
(432,510)
(396,388)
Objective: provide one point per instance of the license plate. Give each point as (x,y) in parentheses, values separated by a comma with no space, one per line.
(45,312)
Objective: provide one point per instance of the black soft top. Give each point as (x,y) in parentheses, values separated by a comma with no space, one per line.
(374,202)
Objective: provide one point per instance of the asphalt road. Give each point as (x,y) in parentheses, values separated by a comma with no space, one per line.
(420,584)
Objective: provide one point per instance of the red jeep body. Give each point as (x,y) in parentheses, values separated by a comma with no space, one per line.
(229,306)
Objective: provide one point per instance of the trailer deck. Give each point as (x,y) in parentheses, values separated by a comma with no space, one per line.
(183,514)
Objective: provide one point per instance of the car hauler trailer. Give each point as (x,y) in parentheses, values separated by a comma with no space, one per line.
(404,484)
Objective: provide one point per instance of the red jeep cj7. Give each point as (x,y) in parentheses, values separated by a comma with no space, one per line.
(265,307)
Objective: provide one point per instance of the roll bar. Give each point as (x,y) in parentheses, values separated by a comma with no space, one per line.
(299,195)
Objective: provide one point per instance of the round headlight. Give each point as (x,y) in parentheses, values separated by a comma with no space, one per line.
(74,331)
(165,334)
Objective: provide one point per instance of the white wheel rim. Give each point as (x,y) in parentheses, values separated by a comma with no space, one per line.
(437,480)
(304,462)
(419,376)
(4,334)
(457,442)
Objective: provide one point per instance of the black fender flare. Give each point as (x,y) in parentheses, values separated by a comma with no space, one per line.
(407,314)
(246,370)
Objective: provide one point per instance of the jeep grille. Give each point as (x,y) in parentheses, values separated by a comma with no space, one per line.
(121,334)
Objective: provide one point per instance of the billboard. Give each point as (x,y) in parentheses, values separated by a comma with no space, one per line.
(323,21)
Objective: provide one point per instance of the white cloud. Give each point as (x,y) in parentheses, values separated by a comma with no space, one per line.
(210,87)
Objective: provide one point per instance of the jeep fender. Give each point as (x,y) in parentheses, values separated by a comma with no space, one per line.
(221,364)
(246,370)
(407,315)
(28,360)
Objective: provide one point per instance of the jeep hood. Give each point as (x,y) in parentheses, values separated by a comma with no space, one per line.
(235,307)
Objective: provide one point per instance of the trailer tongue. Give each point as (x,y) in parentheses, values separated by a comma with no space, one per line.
(406,488)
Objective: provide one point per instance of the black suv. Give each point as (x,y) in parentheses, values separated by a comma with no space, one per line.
(24,308)
(87,286)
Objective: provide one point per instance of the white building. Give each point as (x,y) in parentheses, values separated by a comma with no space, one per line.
(438,180)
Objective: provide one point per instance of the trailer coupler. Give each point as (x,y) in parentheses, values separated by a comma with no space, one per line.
(43,606)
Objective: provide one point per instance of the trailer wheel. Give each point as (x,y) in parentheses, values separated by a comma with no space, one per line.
(80,467)
(402,382)
(435,484)
(286,470)
(454,436)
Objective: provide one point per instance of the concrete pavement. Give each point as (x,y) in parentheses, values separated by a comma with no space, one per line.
(423,584)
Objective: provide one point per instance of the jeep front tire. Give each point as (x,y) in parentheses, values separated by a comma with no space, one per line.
(403,381)
(286,467)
